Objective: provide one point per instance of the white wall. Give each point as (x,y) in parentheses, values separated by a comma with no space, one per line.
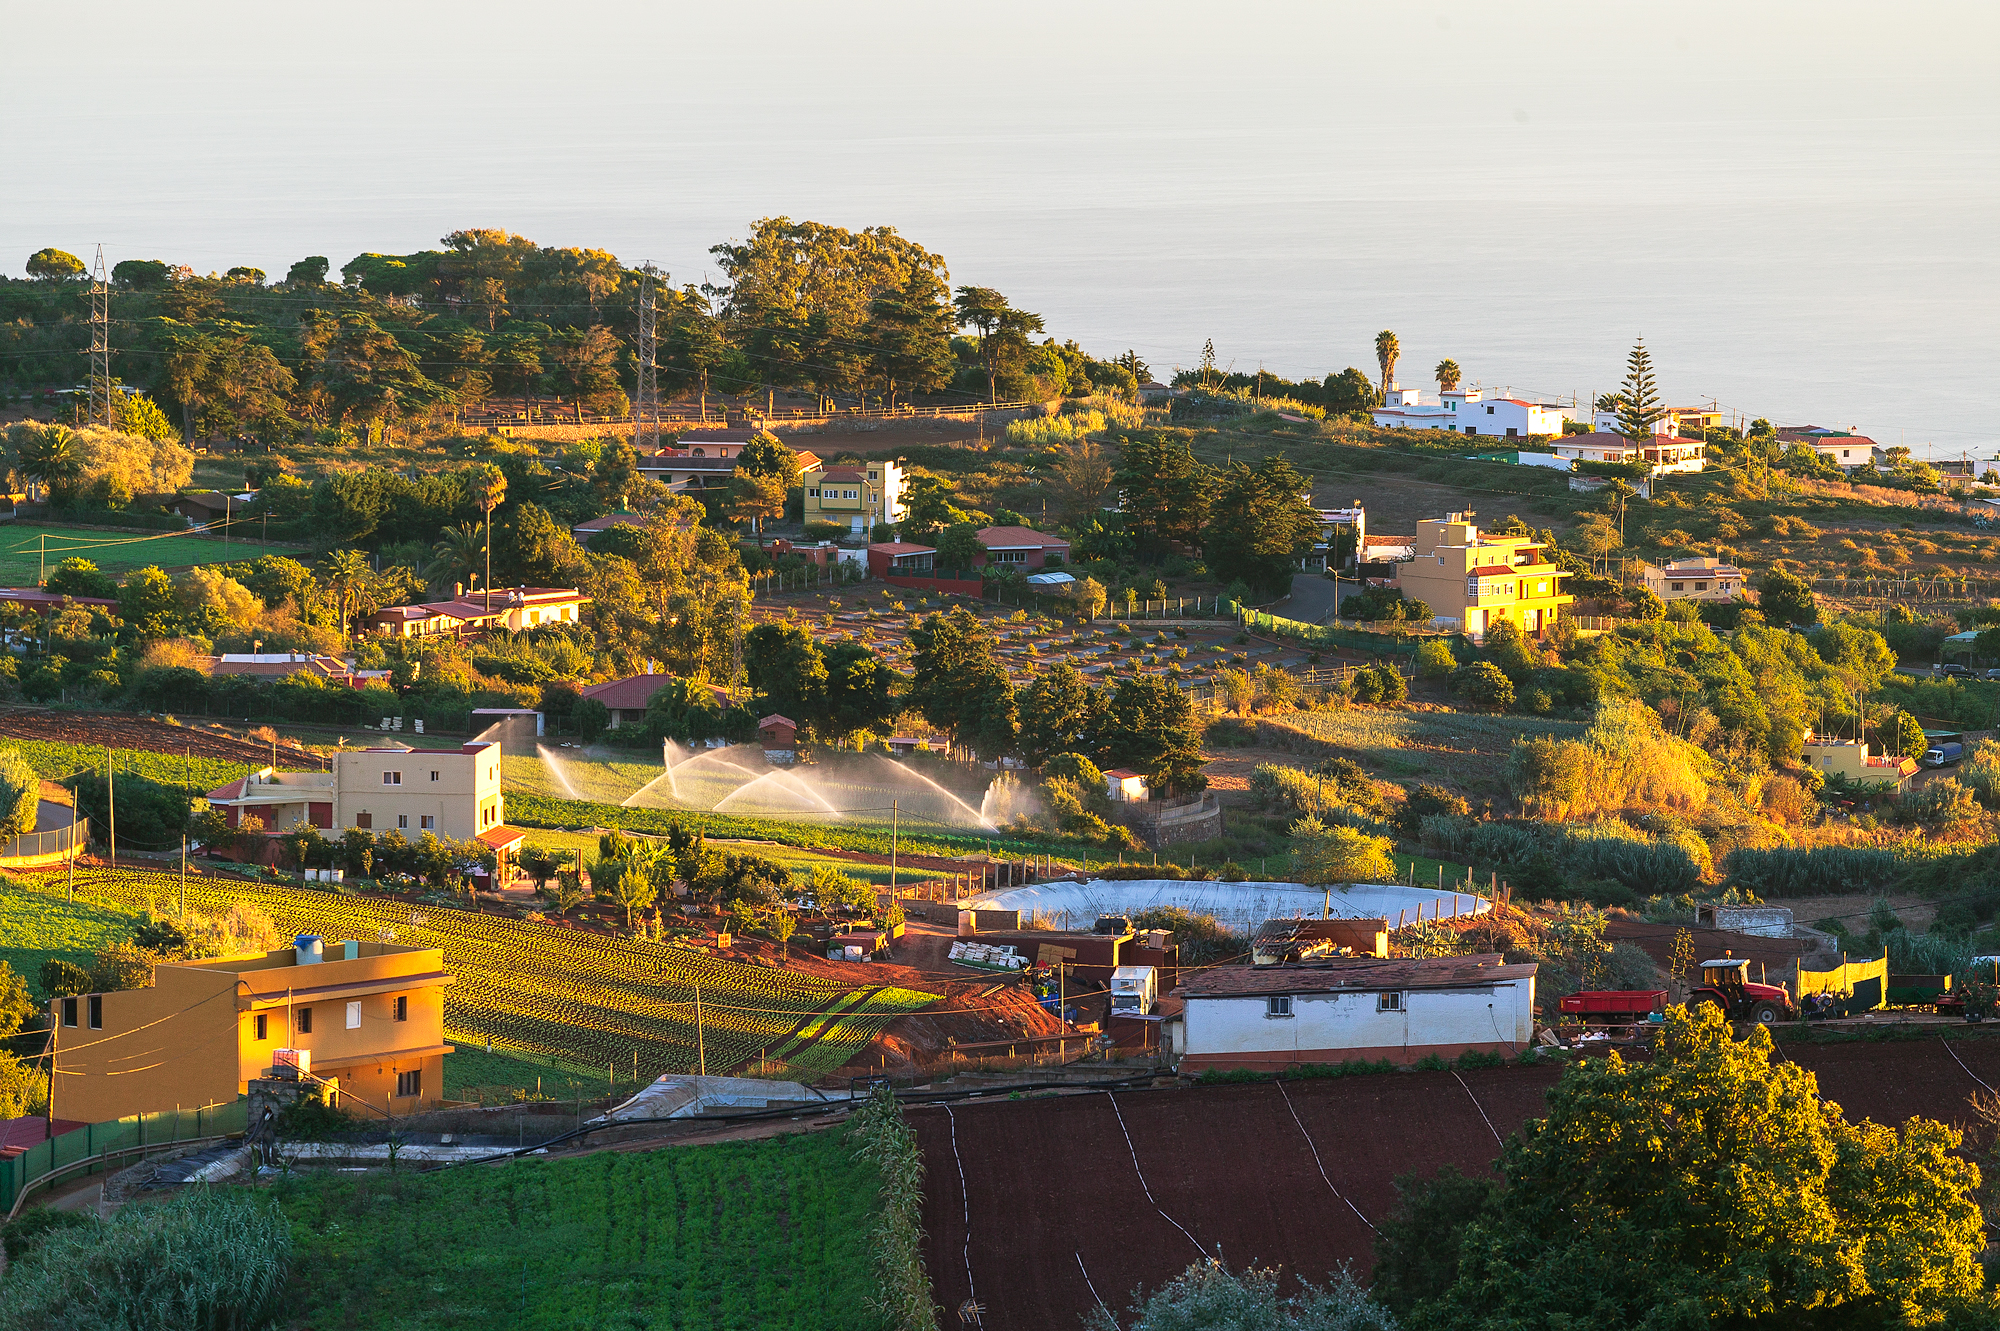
(1237,1025)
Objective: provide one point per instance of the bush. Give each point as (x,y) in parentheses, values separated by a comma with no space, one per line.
(1483,683)
(202,1261)
(20,1234)
(824,531)
(1434,659)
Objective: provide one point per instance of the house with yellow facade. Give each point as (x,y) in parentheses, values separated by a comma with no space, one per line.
(367,1017)
(1852,760)
(1472,580)
(857,495)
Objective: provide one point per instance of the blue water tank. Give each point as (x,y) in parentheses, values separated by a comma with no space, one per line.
(311,949)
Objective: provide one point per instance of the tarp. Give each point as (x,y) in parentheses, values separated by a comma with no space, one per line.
(1865,983)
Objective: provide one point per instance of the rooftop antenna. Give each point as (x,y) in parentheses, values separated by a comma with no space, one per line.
(646,405)
(100,344)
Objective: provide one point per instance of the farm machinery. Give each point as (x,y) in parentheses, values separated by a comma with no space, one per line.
(1724,983)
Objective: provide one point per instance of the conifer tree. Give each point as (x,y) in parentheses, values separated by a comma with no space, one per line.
(1639,409)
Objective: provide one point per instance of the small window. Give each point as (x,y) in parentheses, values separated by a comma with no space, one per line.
(1489,411)
(97,1012)
(69,1012)
(813,493)
(434,776)
(354,1015)
(1701,586)
(305,1017)
(399,1008)
(1680,586)
(427,822)
(392,778)
(410,1083)
(402,820)
(874,475)
(364,820)
(1278,1005)
(1389,1002)
(263,1028)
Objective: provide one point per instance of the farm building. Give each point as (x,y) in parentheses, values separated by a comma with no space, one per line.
(366,1015)
(779,736)
(626,698)
(1352,1008)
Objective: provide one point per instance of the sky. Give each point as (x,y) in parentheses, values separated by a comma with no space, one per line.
(1794,205)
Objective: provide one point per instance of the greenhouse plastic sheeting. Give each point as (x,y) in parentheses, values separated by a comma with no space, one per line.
(1241,907)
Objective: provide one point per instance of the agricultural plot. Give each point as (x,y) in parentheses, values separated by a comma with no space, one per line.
(1441,746)
(584,1001)
(796,860)
(736,1236)
(22,557)
(35,926)
(52,759)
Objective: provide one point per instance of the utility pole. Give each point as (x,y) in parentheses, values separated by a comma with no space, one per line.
(895,835)
(184,877)
(646,402)
(101,406)
(111,804)
(700,1047)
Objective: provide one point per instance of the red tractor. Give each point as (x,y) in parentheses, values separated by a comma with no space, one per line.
(1726,984)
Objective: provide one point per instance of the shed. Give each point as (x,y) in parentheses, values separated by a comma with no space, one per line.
(778,734)
(1279,941)
(1125,786)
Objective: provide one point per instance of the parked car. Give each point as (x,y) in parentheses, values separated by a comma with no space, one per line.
(1953,670)
(1994,673)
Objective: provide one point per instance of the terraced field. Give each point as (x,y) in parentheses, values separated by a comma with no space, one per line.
(584,1001)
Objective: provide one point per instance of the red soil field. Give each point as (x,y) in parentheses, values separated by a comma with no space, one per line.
(145,734)
(1060,1218)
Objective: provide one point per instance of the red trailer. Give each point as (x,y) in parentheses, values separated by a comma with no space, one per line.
(1614,1007)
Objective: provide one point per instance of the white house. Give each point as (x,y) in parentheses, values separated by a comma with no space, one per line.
(1467,411)
(1665,453)
(1332,1010)
(1125,786)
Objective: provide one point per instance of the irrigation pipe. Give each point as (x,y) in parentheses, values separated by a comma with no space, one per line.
(1316,1160)
(1089,1284)
(965,1202)
(1476,1105)
(1142,1175)
(1961,1063)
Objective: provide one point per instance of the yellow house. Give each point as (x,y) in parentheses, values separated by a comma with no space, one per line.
(368,1017)
(1850,759)
(857,495)
(452,792)
(1472,581)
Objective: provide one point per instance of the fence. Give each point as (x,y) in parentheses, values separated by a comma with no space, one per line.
(93,1146)
(35,845)
(1395,636)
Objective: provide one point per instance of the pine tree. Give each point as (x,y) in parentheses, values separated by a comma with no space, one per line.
(1639,409)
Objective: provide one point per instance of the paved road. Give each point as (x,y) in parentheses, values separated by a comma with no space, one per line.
(1312,599)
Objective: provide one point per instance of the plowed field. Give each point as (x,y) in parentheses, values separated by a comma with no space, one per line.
(1060,1216)
(145,734)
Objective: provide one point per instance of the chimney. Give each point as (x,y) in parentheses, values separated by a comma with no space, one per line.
(458,589)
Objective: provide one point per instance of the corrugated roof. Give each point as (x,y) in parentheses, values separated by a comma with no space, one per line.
(1359,974)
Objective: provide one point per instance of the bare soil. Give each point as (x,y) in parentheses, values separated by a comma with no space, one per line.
(146,734)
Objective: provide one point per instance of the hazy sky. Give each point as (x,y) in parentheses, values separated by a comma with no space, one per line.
(1794,204)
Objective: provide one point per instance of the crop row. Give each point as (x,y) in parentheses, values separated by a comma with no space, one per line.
(54,758)
(585,999)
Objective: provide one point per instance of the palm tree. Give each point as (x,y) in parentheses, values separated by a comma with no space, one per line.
(455,555)
(489,489)
(1448,375)
(47,456)
(347,576)
(1386,351)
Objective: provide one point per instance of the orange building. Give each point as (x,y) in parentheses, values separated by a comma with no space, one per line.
(368,1017)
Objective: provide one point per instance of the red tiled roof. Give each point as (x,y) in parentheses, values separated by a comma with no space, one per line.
(843,474)
(231,791)
(608,521)
(503,837)
(1014,538)
(634,691)
(1489,570)
(903,548)
(1123,773)
(775,720)
(1361,974)
(39,599)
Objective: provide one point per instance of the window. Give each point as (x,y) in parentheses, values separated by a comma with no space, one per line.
(426,822)
(392,778)
(354,1015)
(97,1012)
(1701,586)
(1388,1002)
(410,1083)
(874,475)
(1680,586)
(1512,432)
(399,1008)
(364,820)
(850,494)
(1489,411)
(402,820)
(69,1012)
(434,776)
(305,1020)
(813,493)
(1278,1005)
(263,1030)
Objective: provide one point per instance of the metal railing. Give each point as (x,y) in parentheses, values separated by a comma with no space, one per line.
(59,841)
(95,1141)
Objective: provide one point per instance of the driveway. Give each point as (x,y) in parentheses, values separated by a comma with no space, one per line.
(1312,600)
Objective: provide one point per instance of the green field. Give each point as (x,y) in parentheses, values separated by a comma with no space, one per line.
(558,1000)
(1453,747)
(736,1236)
(794,859)
(113,551)
(54,758)
(35,926)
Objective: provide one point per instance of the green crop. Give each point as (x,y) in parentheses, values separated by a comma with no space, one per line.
(52,759)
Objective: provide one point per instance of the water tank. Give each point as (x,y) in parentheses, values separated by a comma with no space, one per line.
(311,949)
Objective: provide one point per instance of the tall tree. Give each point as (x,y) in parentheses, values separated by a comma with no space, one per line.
(1078,481)
(1261,524)
(1165,489)
(909,330)
(1639,408)
(786,668)
(1003,332)
(1448,375)
(586,363)
(928,508)
(859,693)
(958,683)
(54,265)
(754,498)
(766,455)
(1060,713)
(1386,351)
(1150,724)
(489,491)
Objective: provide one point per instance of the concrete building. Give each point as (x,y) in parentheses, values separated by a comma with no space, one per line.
(1020,547)
(1123,785)
(452,792)
(1851,759)
(857,495)
(1845,449)
(1665,454)
(368,1016)
(1704,579)
(1473,581)
(510,608)
(1267,1018)
(1466,411)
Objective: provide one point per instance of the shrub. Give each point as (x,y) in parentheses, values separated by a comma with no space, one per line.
(24,1231)
(207,1261)
(1434,659)
(1483,683)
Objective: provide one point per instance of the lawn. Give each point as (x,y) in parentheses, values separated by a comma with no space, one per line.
(736,1236)
(115,552)
(559,1001)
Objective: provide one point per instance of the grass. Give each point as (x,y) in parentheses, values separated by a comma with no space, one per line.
(112,551)
(578,1002)
(35,926)
(729,1237)
(54,758)
(1446,746)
